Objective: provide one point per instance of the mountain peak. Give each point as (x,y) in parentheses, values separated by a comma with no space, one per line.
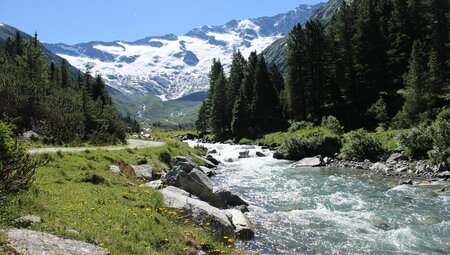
(171,66)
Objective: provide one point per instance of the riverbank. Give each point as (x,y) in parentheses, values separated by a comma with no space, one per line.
(78,196)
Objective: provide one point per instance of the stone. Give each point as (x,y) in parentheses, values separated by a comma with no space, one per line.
(230,198)
(407,182)
(185,164)
(445,174)
(31,136)
(143,171)
(28,219)
(326,160)
(243,228)
(423,168)
(243,208)
(214,151)
(153,184)
(441,167)
(207,171)
(229,142)
(244,154)
(212,160)
(396,157)
(197,184)
(308,162)
(260,154)
(199,210)
(202,178)
(206,162)
(229,160)
(23,241)
(402,169)
(379,167)
(115,170)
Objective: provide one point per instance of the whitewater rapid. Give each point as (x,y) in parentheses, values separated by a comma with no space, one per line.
(330,210)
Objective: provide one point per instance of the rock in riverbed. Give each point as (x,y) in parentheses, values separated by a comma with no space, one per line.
(309,162)
(242,225)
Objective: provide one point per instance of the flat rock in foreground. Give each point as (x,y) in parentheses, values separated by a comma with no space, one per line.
(309,162)
(23,241)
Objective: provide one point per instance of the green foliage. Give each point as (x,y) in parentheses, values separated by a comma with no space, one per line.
(360,145)
(333,124)
(309,143)
(416,141)
(298,125)
(440,132)
(166,158)
(379,111)
(79,192)
(17,168)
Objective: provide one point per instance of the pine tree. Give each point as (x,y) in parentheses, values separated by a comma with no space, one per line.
(66,77)
(234,83)
(201,123)
(99,91)
(415,80)
(295,87)
(218,123)
(240,118)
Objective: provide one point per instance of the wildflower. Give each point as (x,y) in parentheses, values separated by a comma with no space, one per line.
(148,209)
(102,244)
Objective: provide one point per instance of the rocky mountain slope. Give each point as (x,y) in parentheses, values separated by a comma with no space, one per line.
(172,66)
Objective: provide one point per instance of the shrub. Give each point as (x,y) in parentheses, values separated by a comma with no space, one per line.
(16,166)
(316,142)
(165,157)
(333,124)
(297,125)
(440,133)
(360,145)
(416,142)
(142,161)
(444,114)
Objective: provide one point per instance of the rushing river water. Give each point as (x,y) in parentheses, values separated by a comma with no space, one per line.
(333,211)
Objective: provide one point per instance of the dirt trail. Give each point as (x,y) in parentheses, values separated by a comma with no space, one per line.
(132,143)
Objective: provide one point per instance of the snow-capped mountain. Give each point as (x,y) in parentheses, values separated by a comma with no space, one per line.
(171,66)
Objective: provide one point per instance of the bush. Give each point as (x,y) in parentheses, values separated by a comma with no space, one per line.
(440,133)
(333,124)
(16,166)
(166,157)
(360,145)
(297,125)
(416,142)
(316,142)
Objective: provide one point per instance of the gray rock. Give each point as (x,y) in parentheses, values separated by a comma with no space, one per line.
(422,167)
(441,167)
(153,184)
(28,219)
(230,198)
(115,170)
(379,167)
(402,169)
(407,182)
(206,162)
(143,171)
(207,171)
(23,241)
(260,154)
(396,157)
(201,178)
(244,154)
(200,210)
(229,160)
(326,160)
(243,228)
(243,208)
(31,136)
(308,162)
(185,164)
(212,160)
(213,151)
(445,174)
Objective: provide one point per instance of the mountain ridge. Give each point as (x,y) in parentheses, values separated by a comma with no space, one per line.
(171,66)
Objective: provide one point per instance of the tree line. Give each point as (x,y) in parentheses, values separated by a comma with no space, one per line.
(378,64)
(39,95)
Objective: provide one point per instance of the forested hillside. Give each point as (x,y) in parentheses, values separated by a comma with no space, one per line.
(376,64)
(37,95)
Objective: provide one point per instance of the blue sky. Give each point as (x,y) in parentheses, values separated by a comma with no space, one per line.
(107,20)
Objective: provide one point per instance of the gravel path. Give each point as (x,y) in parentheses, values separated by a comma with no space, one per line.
(132,144)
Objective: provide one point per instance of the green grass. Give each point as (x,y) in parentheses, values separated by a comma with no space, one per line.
(122,219)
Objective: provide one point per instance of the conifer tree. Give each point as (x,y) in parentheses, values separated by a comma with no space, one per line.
(66,77)
(240,118)
(218,105)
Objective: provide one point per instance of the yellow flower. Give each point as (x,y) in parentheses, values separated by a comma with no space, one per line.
(102,244)
(106,249)
(148,209)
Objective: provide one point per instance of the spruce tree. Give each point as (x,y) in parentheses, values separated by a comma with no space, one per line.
(66,76)
(234,83)
(219,102)
(240,117)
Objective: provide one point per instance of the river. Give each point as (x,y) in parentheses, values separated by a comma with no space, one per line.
(330,210)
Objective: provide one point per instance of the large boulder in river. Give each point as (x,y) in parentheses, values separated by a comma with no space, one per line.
(260,154)
(244,154)
(205,162)
(196,183)
(185,164)
(309,162)
(212,160)
(200,210)
(243,228)
(230,198)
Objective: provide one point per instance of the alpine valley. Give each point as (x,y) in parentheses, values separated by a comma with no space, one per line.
(157,72)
